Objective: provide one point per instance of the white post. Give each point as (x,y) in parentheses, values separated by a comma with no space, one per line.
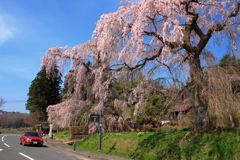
(50,130)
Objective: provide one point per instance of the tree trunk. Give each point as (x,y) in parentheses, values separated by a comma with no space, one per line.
(201,122)
(201,113)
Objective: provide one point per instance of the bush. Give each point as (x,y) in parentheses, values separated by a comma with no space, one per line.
(165,127)
(75,129)
(184,123)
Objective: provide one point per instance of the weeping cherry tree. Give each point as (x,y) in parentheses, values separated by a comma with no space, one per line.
(173,37)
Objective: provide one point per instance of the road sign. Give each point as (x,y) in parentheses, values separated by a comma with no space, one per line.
(95,118)
(98,118)
(3,113)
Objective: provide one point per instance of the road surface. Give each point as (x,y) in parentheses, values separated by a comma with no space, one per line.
(10,149)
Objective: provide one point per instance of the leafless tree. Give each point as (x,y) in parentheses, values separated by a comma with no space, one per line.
(2,102)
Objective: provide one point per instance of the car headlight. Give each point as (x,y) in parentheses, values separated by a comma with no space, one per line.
(28,139)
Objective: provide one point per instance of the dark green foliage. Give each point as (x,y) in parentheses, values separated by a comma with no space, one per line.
(154,104)
(43,92)
(155,110)
(125,84)
(142,118)
(231,66)
(229,60)
(124,88)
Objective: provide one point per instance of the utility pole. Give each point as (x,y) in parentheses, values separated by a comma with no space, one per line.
(100,134)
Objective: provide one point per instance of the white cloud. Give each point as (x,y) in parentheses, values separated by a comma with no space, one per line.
(5,31)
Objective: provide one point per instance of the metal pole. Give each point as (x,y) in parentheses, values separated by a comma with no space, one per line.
(74,145)
(50,131)
(100,134)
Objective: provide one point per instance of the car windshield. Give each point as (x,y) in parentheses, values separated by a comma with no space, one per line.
(32,134)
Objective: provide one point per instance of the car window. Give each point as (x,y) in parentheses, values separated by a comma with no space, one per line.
(32,134)
(27,134)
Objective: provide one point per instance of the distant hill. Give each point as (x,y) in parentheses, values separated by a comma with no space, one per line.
(12,120)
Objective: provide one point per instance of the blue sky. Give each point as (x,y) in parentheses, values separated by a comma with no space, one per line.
(29,27)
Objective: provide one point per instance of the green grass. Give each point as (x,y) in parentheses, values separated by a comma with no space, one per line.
(213,145)
(65,135)
(162,145)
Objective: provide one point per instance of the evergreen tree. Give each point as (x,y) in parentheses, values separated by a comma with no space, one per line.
(229,60)
(44,91)
(231,66)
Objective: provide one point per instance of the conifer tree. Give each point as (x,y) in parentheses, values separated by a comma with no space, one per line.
(44,91)
(229,60)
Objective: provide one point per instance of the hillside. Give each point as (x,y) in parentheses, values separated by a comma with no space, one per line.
(168,144)
(12,120)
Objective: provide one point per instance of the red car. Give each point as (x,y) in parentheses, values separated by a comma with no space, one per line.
(31,138)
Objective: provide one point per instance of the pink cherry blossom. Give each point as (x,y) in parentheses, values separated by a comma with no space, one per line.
(154,35)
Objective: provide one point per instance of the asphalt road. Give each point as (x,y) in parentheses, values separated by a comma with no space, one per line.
(10,149)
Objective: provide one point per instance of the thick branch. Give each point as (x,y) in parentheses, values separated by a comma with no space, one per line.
(141,64)
(87,67)
(235,13)
(197,29)
(172,45)
(216,28)
(153,34)
(187,6)
(219,27)
(191,24)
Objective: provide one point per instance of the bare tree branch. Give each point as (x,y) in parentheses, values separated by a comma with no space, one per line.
(2,102)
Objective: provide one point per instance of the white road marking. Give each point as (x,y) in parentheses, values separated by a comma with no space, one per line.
(6,145)
(1,149)
(2,138)
(26,156)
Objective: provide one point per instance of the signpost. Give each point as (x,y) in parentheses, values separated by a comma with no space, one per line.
(95,118)
(98,118)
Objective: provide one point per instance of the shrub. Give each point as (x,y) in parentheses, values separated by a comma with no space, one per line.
(75,129)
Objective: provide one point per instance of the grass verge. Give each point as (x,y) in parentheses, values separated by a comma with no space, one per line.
(63,135)
(152,145)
